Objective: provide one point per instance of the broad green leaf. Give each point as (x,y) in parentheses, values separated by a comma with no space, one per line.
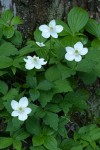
(7,49)
(12,93)
(7,16)
(31,81)
(20,134)
(62,86)
(26,50)
(93,27)
(86,66)
(34,94)
(3,87)
(17,38)
(45,97)
(16,20)
(45,85)
(17,144)
(5,62)
(80,147)
(5,142)
(38,140)
(51,119)
(52,74)
(61,126)
(77,19)
(37,148)
(50,143)
(33,126)
(8,32)
(40,113)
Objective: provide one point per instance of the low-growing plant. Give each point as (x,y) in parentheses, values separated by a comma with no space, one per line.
(43,83)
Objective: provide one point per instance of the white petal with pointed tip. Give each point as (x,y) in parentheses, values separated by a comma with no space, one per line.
(59,28)
(54,34)
(52,23)
(15,113)
(27,110)
(23,102)
(78,46)
(78,58)
(44,28)
(69,50)
(14,104)
(46,34)
(84,51)
(22,117)
(69,57)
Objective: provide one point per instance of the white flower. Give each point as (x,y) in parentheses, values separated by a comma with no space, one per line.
(40,44)
(34,62)
(76,52)
(20,109)
(52,29)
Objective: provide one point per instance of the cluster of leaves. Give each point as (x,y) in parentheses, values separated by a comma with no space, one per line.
(53,91)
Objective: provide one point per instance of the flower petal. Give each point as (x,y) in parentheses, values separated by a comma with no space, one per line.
(46,34)
(54,34)
(23,102)
(42,62)
(69,50)
(23,117)
(44,28)
(41,44)
(14,104)
(78,58)
(52,23)
(78,46)
(27,110)
(69,57)
(84,51)
(59,28)
(15,113)
(29,63)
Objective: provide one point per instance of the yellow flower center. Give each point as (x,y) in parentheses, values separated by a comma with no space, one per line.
(76,52)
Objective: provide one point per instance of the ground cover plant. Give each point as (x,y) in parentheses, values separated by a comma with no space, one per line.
(44,83)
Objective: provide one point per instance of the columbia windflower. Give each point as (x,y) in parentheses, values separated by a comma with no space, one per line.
(34,62)
(40,44)
(51,30)
(76,52)
(20,109)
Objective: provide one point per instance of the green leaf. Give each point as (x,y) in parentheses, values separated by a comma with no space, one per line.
(77,19)
(17,144)
(31,81)
(38,140)
(45,97)
(61,126)
(33,126)
(45,85)
(3,87)
(7,49)
(21,134)
(50,143)
(93,27)
(12,93)
(16,20)
(8,32)
(5,142)
(7,16)
(37,148)
(62,86)
(80,147)
(26,50)
(5,62)
(65,71)
(17,38)
(51,119)
(52,74)
(40,113)
(86,66)
(34,94)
